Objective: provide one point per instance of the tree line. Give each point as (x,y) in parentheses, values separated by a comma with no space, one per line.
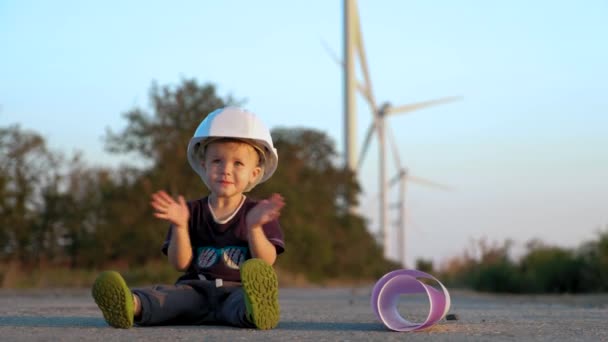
(490,267)
(58,210)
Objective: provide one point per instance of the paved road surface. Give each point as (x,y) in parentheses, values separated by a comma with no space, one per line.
(320,315)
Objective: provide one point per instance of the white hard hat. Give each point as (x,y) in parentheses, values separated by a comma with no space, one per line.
(239,124)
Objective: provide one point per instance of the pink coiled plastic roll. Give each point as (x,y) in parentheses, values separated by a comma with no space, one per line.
(387,290)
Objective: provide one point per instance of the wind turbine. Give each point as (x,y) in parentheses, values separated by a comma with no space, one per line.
(401,179)
(354,48)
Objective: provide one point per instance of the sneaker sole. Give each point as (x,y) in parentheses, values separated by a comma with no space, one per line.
(261,290)
(114,299)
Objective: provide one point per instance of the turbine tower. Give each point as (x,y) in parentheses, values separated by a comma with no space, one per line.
(354,49)
(350,83)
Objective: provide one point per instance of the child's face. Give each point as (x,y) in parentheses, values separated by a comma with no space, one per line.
(230,166)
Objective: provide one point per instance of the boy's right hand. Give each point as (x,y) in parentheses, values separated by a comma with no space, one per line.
(168,209)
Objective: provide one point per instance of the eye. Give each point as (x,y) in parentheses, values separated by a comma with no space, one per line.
(239,163)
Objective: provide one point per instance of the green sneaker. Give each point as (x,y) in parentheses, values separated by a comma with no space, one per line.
(114,299)
(261,290)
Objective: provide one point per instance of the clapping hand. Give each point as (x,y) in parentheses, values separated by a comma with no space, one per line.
(167,208)
(265,211)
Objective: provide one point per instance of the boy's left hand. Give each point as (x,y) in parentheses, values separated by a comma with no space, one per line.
(265,211)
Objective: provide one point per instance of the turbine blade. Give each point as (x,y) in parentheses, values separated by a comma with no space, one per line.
(332,54)
(369,98)
(363,60)
(394,149)
(403,175)
(420,105)
(366,142)
(360,87)
(396,178)
(426,182)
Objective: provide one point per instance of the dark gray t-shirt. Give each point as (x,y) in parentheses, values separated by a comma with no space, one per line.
(218,249)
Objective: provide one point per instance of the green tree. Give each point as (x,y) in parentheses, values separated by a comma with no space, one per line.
(424,265)
(594,258)
(94,224)
(26,168)
(548,269)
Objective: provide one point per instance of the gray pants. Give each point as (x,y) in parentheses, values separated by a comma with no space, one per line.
(192,302)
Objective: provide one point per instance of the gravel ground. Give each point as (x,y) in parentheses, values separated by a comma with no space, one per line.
(321,315)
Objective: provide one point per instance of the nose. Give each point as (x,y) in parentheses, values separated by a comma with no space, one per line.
(225,168)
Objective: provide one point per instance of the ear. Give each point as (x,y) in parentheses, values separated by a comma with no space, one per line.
(256,172)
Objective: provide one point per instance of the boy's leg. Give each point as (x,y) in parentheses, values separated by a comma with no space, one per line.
(232,309)
(114,299)
(173,305)
(261,293)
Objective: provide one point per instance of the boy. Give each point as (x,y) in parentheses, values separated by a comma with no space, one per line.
(225,243)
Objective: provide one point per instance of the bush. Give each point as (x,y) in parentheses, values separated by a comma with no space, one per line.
(551,270)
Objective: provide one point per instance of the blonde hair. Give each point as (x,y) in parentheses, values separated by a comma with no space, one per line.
(201,148)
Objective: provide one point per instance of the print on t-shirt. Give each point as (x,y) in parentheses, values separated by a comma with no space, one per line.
(232,256)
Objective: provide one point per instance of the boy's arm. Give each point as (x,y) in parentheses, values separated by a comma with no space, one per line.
(180,250)
(259,245)
(262,213)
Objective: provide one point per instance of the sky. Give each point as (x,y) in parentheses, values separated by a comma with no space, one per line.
(524,153)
